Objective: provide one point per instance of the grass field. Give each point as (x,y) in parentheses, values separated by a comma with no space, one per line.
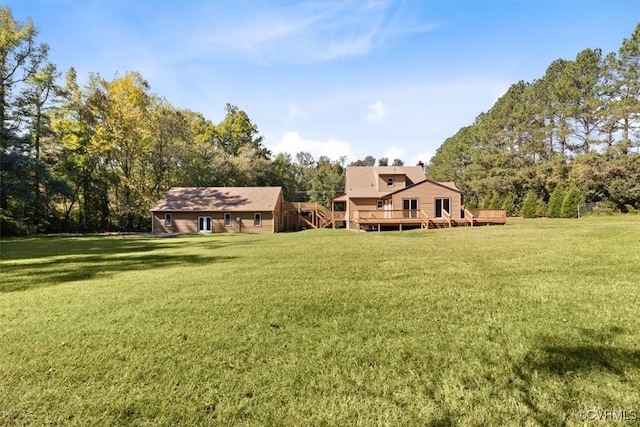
(526,324)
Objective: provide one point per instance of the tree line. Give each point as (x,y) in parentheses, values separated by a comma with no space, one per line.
(573,133)
(97,157)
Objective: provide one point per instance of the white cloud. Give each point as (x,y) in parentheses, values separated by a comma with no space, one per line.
(423,156)
(394,153)
(293,143)
(378,112)
(311,32)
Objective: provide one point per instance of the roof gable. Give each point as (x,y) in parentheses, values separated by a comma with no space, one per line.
(230,199)
(362,181)
(445,185)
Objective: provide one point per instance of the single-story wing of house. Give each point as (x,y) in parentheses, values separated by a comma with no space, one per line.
(219,210)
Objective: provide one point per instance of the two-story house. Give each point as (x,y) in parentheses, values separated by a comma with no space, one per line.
(398,196)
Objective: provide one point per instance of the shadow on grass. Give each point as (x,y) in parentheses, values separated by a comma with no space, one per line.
(87,259)
(555,361)
(43,247)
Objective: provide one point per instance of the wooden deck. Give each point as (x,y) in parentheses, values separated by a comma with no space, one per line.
(418,218)
(391,218)
(487,216)
(314,215)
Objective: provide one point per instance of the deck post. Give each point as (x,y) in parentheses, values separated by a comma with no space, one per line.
(333,216)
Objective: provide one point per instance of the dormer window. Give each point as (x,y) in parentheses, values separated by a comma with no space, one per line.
(390,181)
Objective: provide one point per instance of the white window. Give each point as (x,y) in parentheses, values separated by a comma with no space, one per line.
(379,204)
(204,224)
(442,205)
(390,181)
(168,219)
(257,219)
(227,219)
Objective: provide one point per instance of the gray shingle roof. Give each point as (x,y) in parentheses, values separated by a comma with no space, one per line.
(228,199)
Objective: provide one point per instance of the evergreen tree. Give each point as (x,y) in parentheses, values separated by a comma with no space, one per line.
(495,202)
(509,205)
(570,203)
(555,202)
(530,205)
(541,209)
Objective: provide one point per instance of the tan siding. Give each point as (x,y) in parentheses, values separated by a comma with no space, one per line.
(245,225)
(426,193)
(399,182)
(364,204)
(187,222)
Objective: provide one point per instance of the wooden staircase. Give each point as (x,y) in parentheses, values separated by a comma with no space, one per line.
(314,214)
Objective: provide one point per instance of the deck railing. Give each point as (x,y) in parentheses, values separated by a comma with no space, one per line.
(390,215)
(488,213)
(446,217)
(468,215)
(488,216)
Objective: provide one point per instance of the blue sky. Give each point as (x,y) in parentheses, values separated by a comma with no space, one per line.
(337,78)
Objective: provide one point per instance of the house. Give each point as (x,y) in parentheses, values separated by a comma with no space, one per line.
(398,196)
(219,210)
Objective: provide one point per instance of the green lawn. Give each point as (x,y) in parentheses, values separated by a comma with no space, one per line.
(523,324)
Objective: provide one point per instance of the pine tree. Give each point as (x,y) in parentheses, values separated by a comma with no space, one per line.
(509,205)
(541,209)
(530,205)
(555,202)
(496,202)
(570,203)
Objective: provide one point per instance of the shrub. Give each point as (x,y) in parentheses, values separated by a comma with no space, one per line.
(542,208)
(495,202)
(555,202)
(509,205)
(530,205)
(10,226)
(471,204)
(570,203)
(486,201)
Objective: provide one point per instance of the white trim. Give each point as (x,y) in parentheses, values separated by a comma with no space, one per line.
(208,225)
(257,219)
(435,206)
(413,213)
(168,219)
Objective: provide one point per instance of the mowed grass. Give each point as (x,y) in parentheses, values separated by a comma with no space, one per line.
(523,324)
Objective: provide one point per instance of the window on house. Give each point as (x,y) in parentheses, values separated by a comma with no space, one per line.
(257,219)
(204,224)
(390,181)
(442,205)
(227,219)
(379,204)
(168,219)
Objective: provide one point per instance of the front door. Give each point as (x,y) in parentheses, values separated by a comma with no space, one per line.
(442,204)
(204,224)
(410,208)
